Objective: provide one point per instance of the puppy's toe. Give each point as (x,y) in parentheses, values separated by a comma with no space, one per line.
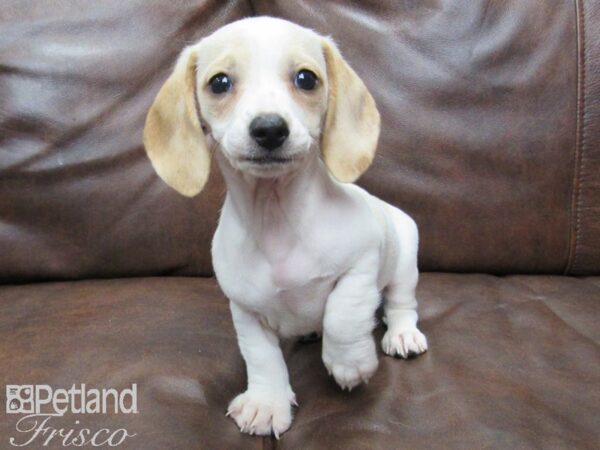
(349,373)
(404,343)
(262,413)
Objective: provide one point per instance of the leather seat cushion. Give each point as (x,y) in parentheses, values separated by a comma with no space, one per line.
(514,362)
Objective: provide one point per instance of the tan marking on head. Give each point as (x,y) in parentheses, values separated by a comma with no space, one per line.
(231,61)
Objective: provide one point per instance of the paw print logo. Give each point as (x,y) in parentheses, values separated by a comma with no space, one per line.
(19,399)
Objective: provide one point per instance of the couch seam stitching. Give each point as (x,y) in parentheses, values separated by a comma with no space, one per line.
(583,142)
(575,228)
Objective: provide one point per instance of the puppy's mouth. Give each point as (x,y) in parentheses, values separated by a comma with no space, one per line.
(268,165)
(268,160)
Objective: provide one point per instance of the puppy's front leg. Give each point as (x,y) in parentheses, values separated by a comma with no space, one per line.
(348,346)
(266,406)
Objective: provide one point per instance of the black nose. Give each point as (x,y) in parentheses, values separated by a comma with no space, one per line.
(269,131)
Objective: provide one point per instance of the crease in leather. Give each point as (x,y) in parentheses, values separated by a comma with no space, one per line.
(252,8)
(543,298)
(166,60)
(79,130)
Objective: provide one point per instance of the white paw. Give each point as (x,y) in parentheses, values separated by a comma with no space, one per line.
(404,343)
(350,367)
(262,412)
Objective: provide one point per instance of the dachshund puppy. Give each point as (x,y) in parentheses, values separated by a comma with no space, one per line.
(299,248)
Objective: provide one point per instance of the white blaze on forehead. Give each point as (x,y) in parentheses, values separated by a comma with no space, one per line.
(264,42)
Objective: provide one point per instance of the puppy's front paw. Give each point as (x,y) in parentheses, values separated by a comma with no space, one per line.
(404,343)
(262,412)
(350,366)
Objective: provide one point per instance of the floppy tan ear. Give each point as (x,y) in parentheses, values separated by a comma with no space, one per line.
(173,136)
(351,129)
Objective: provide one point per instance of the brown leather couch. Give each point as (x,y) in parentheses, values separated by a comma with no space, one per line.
(490,140)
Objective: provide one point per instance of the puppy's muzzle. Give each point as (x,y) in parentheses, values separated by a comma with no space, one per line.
(269,131)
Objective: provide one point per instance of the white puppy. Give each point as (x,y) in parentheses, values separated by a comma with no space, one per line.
(298,249)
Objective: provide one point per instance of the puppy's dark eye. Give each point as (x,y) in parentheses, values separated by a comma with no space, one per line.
(305,79)
(220,83)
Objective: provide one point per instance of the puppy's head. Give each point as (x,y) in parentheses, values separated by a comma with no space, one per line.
(269,93)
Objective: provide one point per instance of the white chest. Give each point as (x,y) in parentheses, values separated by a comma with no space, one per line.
(281,259)
(286,282)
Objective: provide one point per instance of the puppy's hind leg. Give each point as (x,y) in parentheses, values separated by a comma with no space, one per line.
(402,337)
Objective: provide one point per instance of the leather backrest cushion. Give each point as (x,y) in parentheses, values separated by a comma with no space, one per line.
(78,196)
(482,131)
